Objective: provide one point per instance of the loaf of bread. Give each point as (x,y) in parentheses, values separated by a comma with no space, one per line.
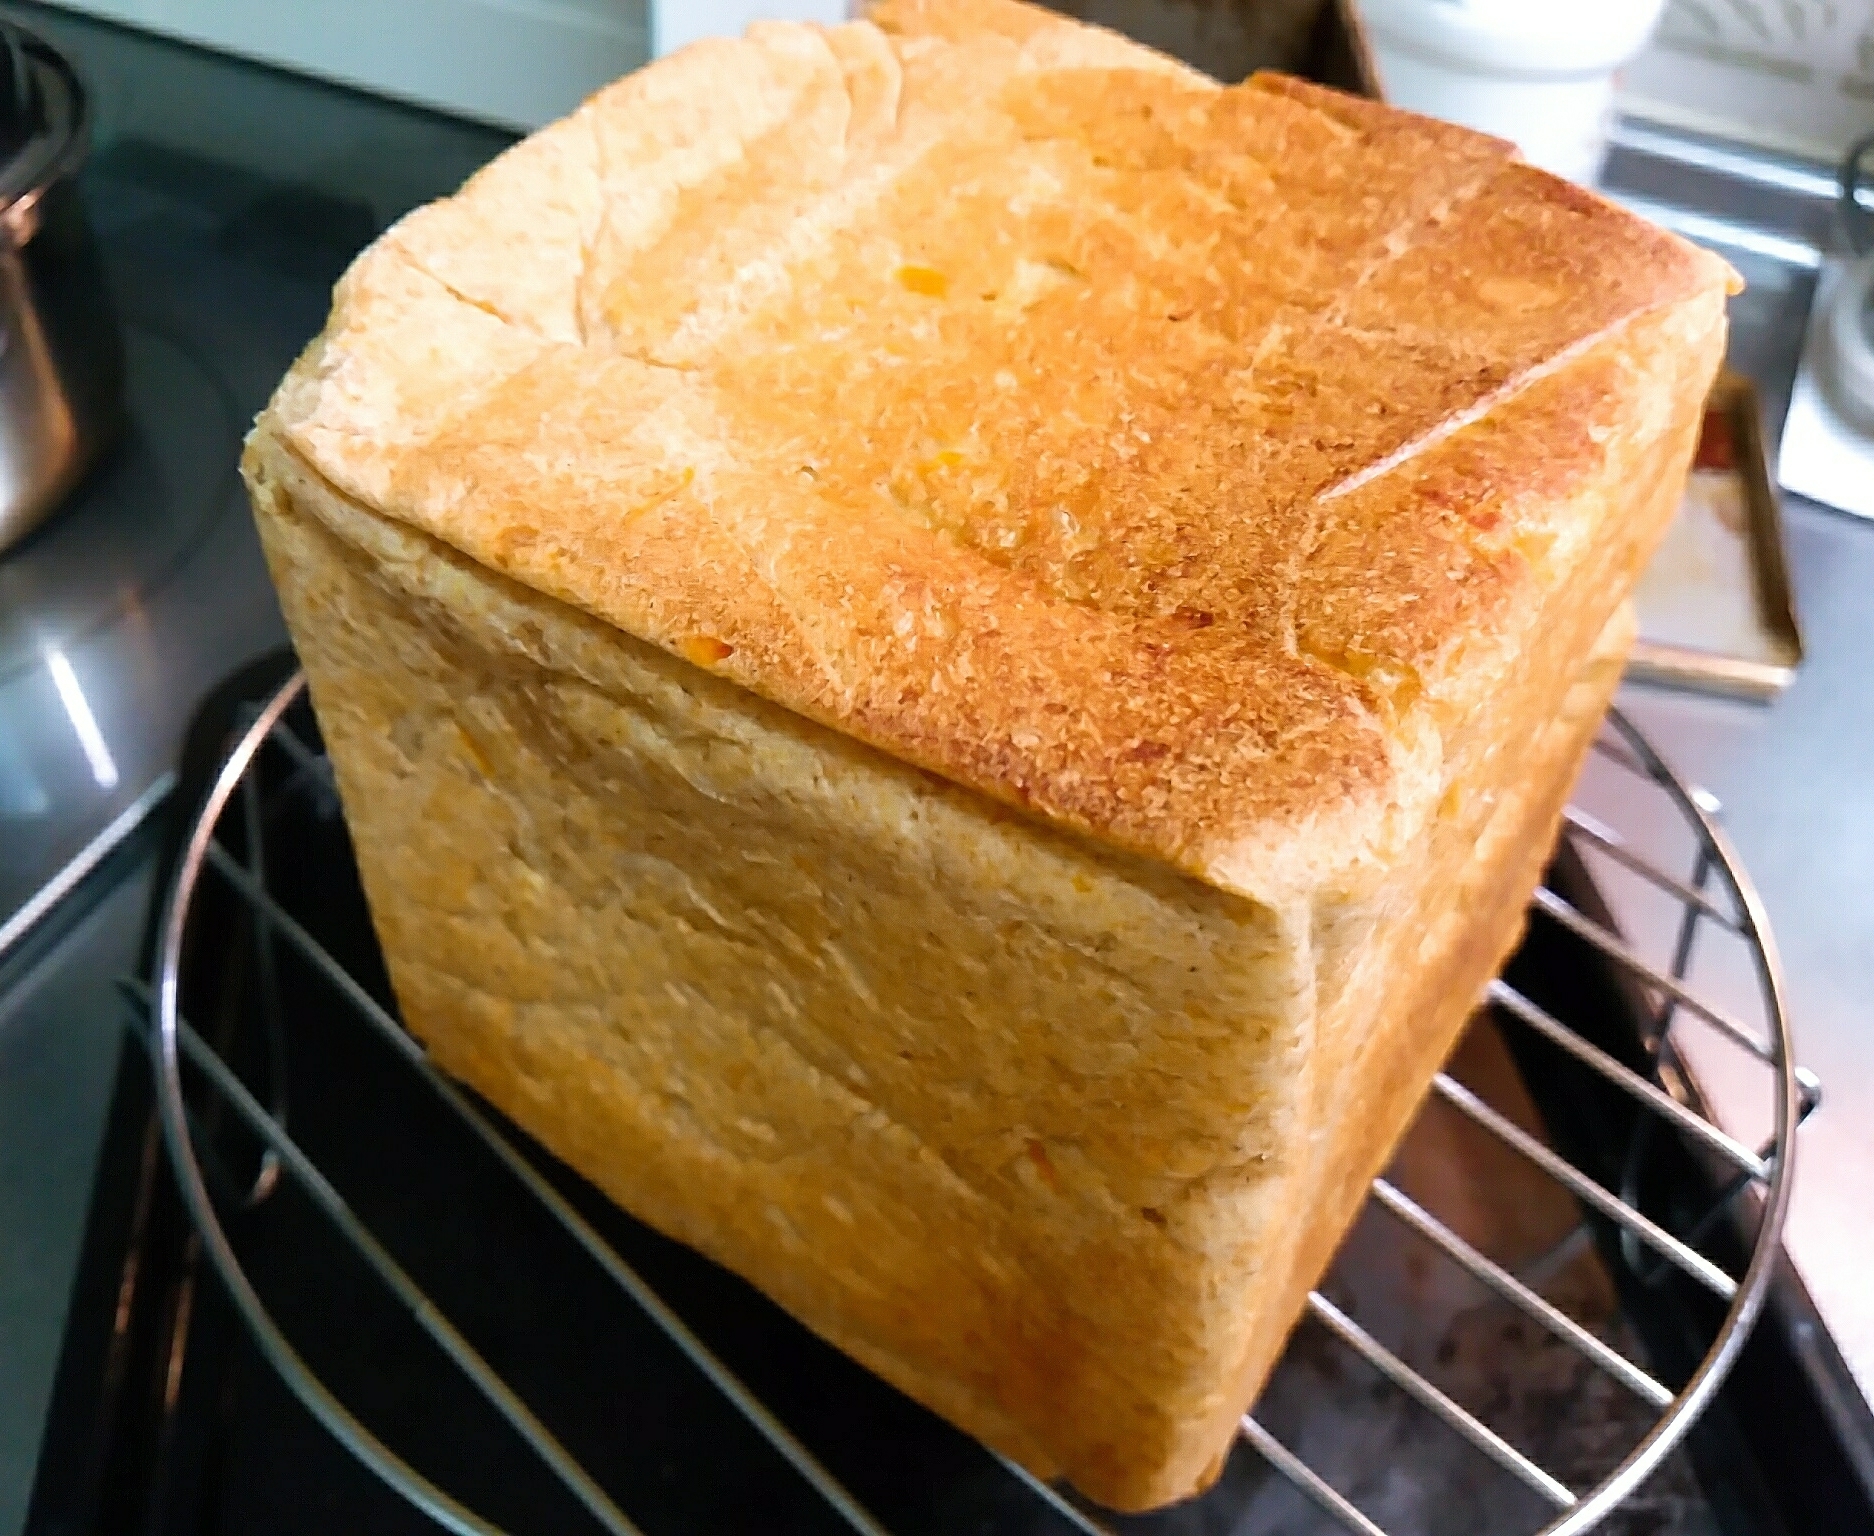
(951,652)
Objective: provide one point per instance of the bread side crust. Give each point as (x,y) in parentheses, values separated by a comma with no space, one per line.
(886,1055)
(1072,1215)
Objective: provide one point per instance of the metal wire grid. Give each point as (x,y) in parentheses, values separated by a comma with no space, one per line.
(1717,895)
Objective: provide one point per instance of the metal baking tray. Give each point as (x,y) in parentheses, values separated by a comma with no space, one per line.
(1722,573)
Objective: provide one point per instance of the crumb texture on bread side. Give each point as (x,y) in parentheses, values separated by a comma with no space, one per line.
(1010,398)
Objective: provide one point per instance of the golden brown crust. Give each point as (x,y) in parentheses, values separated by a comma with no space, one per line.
(1005,396)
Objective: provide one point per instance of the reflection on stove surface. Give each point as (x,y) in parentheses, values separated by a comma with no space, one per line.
(137,518)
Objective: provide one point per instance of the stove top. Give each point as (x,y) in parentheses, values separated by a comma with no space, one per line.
(222,230)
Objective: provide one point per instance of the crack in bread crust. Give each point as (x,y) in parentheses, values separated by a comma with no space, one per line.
(1018,366)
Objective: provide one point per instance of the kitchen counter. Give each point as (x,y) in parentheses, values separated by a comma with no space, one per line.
(1795,777)
(1796,782)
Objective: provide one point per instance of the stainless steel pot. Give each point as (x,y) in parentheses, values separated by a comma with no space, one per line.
(61,355)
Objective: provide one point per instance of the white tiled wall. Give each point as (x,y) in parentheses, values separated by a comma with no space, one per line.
(1795,74)
(676,22)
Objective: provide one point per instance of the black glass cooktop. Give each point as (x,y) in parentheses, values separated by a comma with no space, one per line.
(227,198)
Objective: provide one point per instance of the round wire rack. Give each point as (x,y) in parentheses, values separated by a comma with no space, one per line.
(228,844)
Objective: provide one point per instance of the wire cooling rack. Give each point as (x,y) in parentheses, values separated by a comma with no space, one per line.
(1714,901)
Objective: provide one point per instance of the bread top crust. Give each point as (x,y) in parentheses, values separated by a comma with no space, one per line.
(1175,462)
